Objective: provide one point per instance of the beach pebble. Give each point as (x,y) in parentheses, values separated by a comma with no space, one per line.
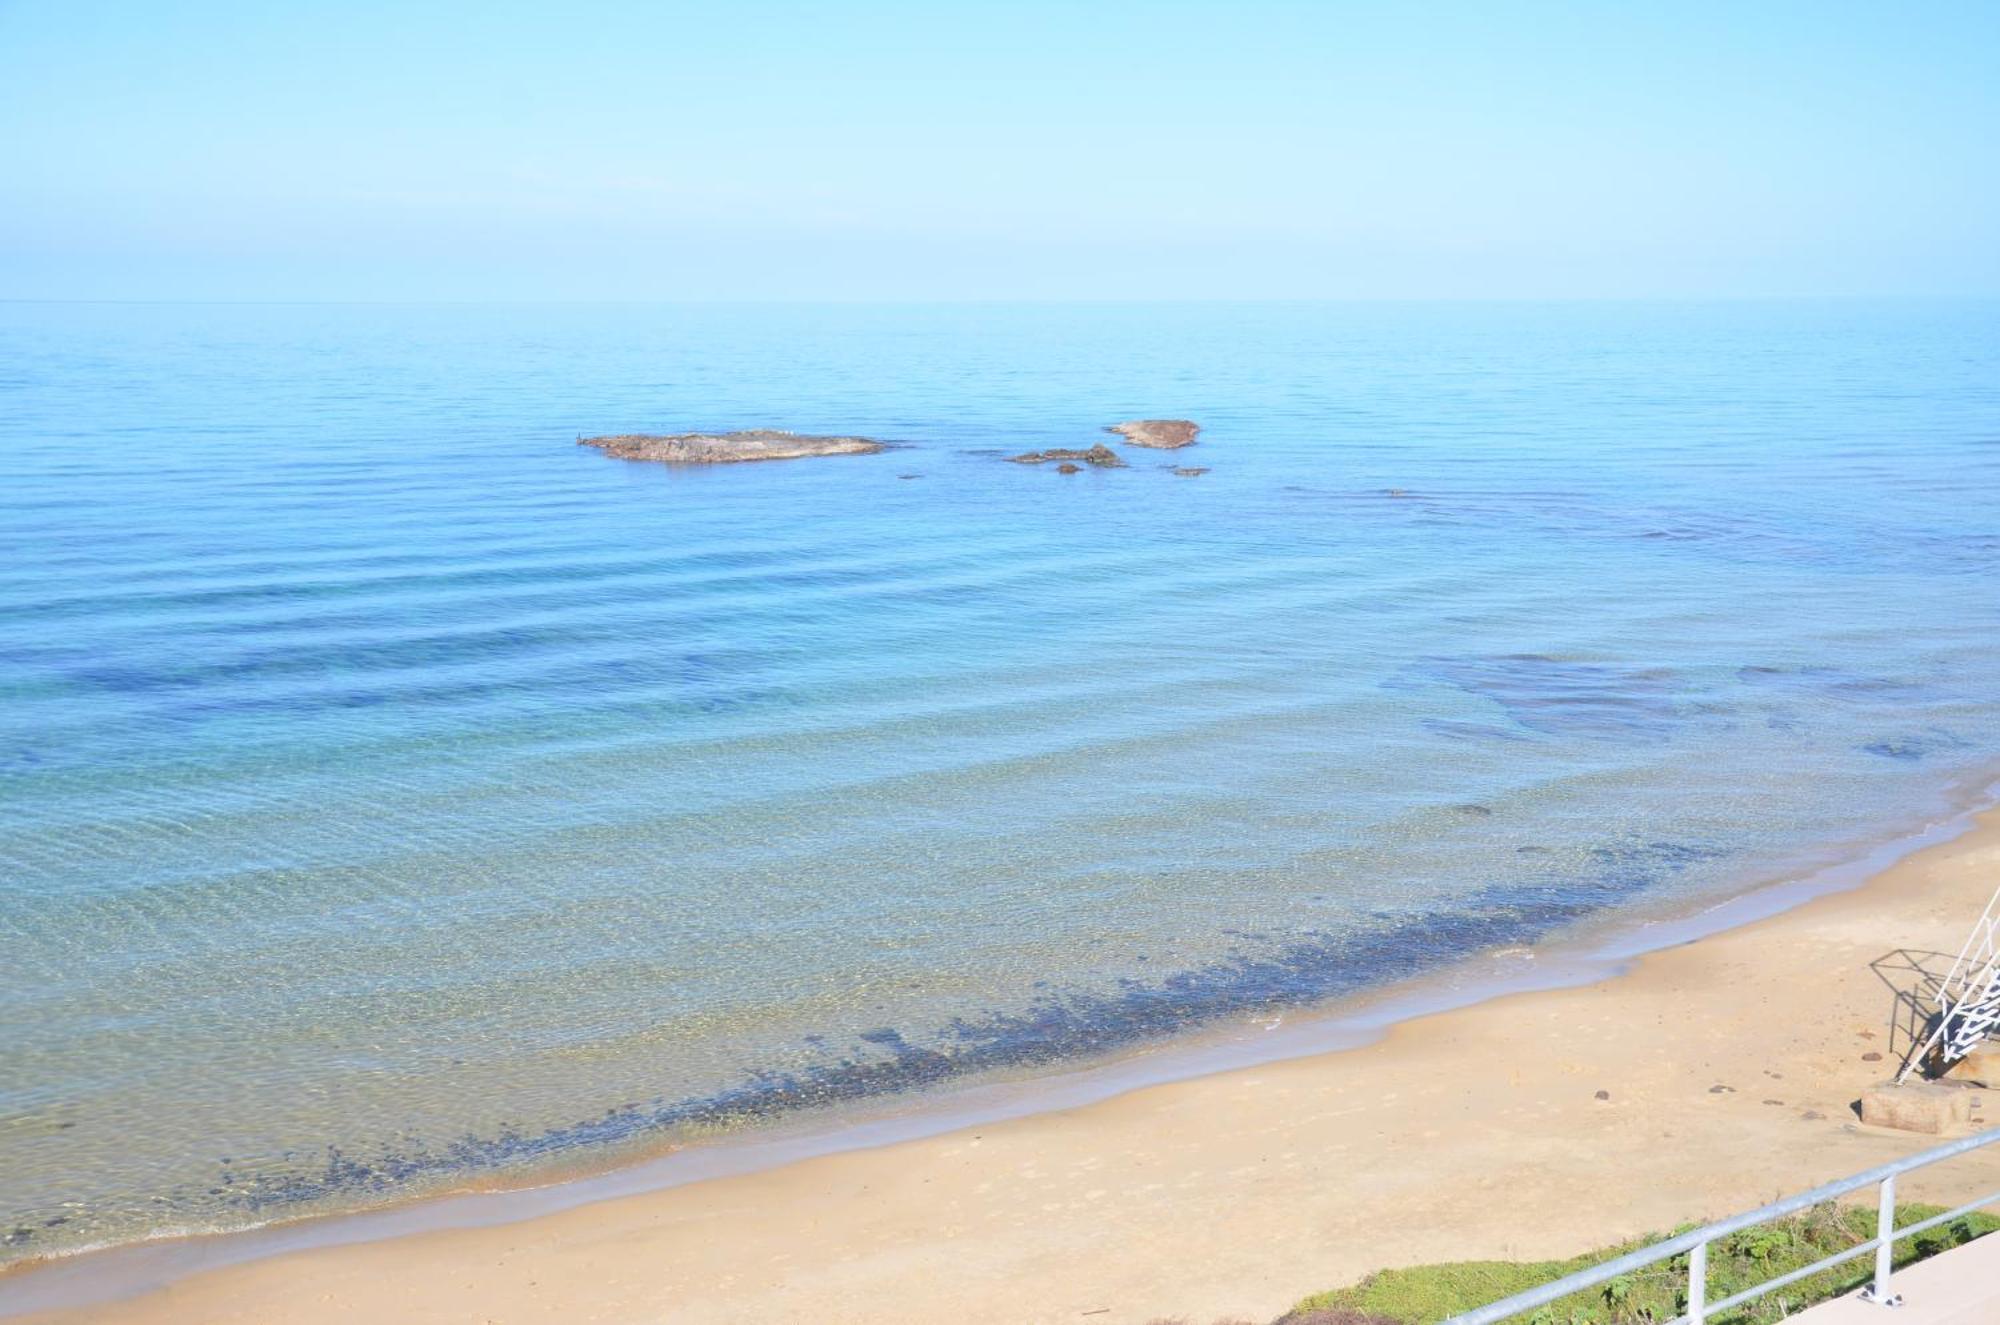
(1722,1090)
(1813,1115)
(1871,1057)
(1780,1102)
(1603,1094)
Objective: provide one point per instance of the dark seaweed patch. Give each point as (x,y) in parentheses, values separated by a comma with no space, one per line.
(1056,1026)
(1839,684)
(1915,746)
(1472,731)
(1545,695)
(1565,697)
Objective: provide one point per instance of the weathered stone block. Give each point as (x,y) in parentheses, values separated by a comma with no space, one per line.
(1918,1106)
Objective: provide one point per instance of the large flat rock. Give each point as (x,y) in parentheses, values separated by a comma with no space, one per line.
(722,448)
(1160,434)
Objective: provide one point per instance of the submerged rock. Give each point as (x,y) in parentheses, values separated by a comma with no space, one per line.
(1100,455)
(1160,434)
(703,448)
(1193,471)
(1067,468)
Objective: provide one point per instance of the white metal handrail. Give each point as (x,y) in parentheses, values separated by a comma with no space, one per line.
(1696,1244)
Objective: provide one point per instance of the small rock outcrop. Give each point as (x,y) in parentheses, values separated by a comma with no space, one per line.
(722,448)
(1159,434)
(1100,455)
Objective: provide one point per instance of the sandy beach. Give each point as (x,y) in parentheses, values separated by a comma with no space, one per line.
(1709,1077)
(1114,664)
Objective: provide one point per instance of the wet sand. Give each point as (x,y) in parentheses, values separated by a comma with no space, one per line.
(1471,1133)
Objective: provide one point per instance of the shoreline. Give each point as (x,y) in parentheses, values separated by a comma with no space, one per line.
(1077,1046)
(147,1281)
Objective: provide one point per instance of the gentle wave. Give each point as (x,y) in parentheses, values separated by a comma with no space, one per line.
(392,791)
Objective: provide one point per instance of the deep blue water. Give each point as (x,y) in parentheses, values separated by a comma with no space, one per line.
(391,790)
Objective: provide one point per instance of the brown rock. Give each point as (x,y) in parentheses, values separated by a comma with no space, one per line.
(1159,434)
(1603,1095)
(1099,455)
(1067,468)
(702,448)
(1982,1065)
(1871,1057)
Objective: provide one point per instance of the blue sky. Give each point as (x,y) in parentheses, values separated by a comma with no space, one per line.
(762,150)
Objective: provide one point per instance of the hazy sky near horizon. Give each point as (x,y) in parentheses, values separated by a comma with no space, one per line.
(766,150)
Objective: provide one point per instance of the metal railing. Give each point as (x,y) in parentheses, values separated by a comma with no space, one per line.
(1696,1243)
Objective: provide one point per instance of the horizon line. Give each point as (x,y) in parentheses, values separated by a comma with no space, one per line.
(752,300)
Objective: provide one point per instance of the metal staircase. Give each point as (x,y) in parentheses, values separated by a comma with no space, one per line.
(1968,998)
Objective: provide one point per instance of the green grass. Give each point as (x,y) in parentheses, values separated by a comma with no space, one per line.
(1426,1294)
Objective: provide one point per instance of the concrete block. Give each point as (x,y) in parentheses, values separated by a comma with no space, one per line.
(1918,1106)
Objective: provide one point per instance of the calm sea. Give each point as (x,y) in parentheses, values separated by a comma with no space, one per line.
(393,792)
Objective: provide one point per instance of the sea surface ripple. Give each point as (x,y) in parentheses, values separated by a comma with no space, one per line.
(393,792)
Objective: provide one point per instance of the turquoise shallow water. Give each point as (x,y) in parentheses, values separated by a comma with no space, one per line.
(392,792)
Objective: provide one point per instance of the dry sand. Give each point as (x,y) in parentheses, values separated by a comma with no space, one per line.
(1473,1133)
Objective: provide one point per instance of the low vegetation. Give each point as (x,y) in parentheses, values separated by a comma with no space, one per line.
(1427,1294)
